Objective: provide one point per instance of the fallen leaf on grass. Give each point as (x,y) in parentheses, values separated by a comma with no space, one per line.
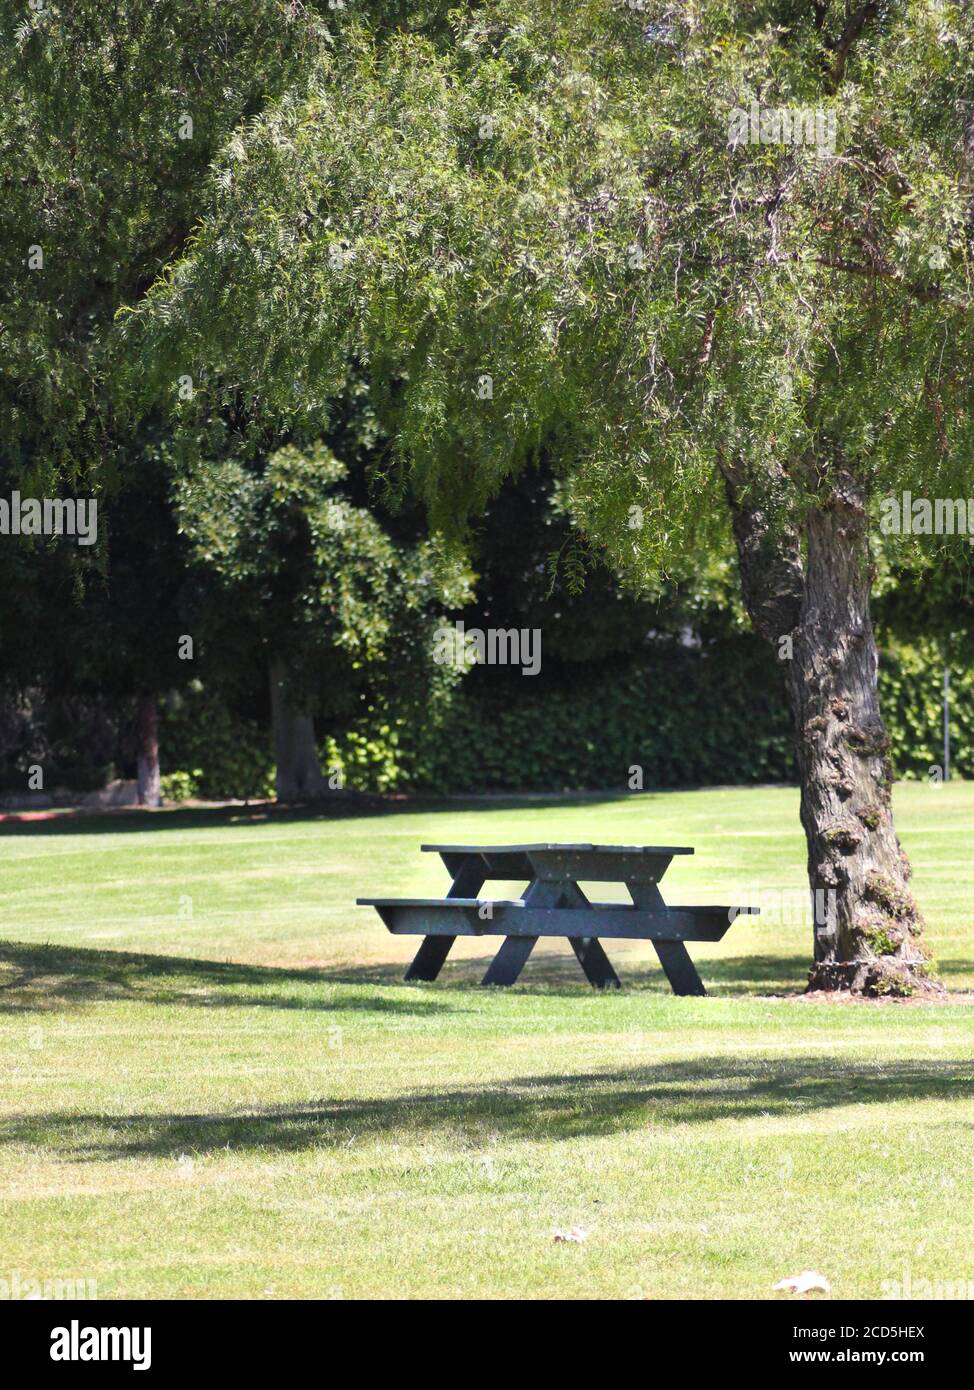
(805,1282)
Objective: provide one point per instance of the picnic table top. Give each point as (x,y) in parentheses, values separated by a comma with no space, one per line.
(588,849)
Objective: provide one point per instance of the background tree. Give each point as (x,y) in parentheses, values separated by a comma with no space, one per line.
(120,634)
(310,586)
(109,118)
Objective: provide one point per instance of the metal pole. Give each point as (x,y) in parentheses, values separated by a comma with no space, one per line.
(946,724)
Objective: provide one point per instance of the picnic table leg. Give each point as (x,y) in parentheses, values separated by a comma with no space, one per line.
(468,879)
(680,969)
(428,960)
(513,954)
(673,955)
(509,961)
(596,964)
(588,950)
(515,950)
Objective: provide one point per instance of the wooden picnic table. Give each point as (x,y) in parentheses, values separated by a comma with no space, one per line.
(553,904)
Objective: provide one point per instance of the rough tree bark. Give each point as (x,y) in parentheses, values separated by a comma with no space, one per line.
(147,750)
(814,609)
(298,773)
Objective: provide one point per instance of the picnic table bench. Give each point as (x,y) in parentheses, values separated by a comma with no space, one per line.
(553,904)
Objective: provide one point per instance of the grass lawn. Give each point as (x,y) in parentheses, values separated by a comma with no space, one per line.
(214,1084)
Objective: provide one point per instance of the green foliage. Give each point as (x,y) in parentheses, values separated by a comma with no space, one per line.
(326,589)
(102,172)
(74,739)
(204,745)
(542,193)
(181,786)
(367,757)
(287,546)
(109,119)
(551,197)
(911,688)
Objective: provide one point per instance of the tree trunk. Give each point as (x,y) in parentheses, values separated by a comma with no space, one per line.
(147,754)
(298,773)
(868,929)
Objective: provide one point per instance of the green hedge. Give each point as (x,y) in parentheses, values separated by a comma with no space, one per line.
(206,751)
(686,717)
(911,692)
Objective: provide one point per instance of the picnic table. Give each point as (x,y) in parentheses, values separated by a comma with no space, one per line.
(553,904)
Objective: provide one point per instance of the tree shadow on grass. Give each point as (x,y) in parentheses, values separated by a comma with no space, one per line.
(357,805)
(559,973)
(948,968)
(528,1108)
(46,978)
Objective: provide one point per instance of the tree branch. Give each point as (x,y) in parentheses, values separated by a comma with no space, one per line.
(926,294)
(854,26)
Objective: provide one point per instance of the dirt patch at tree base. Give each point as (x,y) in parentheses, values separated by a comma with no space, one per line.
(835,996)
